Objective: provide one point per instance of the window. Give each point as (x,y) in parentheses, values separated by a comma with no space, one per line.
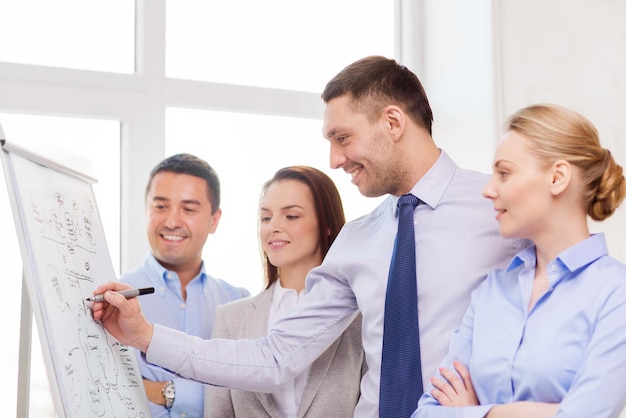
(267,80)
(281,43)
(69,33)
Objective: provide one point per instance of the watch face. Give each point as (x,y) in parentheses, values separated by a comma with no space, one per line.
(169,393)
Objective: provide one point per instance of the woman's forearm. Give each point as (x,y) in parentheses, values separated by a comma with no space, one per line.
(524,410)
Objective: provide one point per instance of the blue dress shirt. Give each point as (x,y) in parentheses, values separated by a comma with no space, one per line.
(569,349)
(194,316)
(457,244)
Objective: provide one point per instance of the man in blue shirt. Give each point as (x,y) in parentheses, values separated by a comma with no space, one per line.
(378,124)
(182,208)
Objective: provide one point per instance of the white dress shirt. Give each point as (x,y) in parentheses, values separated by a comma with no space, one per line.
(287,398)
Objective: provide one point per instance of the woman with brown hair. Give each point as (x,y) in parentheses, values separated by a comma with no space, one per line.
(300,215)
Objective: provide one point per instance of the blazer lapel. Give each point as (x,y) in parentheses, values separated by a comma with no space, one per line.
(319,368)
(257,315)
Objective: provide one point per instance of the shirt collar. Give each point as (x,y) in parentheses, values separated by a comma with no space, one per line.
(280,293)
(585,252)
(159,275)
(431,187)
(573,258)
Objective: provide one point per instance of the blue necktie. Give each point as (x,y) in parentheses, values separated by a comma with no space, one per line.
(401,368)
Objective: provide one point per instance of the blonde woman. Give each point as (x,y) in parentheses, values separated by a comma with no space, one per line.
(546,336)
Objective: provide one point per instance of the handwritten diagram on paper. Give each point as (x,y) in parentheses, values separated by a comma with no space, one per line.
(65,258)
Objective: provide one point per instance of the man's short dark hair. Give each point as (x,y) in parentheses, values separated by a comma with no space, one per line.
(375,82)
(190,164)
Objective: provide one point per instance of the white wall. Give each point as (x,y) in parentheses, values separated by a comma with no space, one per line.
(457,73)
(573,53)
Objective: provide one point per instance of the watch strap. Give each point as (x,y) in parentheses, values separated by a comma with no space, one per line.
(169,393)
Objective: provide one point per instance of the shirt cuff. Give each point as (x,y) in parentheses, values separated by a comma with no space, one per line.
(166,348)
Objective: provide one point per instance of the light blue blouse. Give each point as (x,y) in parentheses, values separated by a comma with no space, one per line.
(569,349)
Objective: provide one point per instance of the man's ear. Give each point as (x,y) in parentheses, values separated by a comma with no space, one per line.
(560,176)
(394,120)
(215,221)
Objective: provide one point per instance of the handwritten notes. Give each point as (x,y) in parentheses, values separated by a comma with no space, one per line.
(65,257)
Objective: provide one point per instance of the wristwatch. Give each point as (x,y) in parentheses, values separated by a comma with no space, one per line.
(169,393)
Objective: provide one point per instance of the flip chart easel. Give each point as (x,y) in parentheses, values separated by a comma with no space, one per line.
(65,256)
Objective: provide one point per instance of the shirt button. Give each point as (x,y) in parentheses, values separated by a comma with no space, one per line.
(553,267)
(182,306)
(183,415)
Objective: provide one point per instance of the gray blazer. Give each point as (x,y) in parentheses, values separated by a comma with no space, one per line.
(333,385)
